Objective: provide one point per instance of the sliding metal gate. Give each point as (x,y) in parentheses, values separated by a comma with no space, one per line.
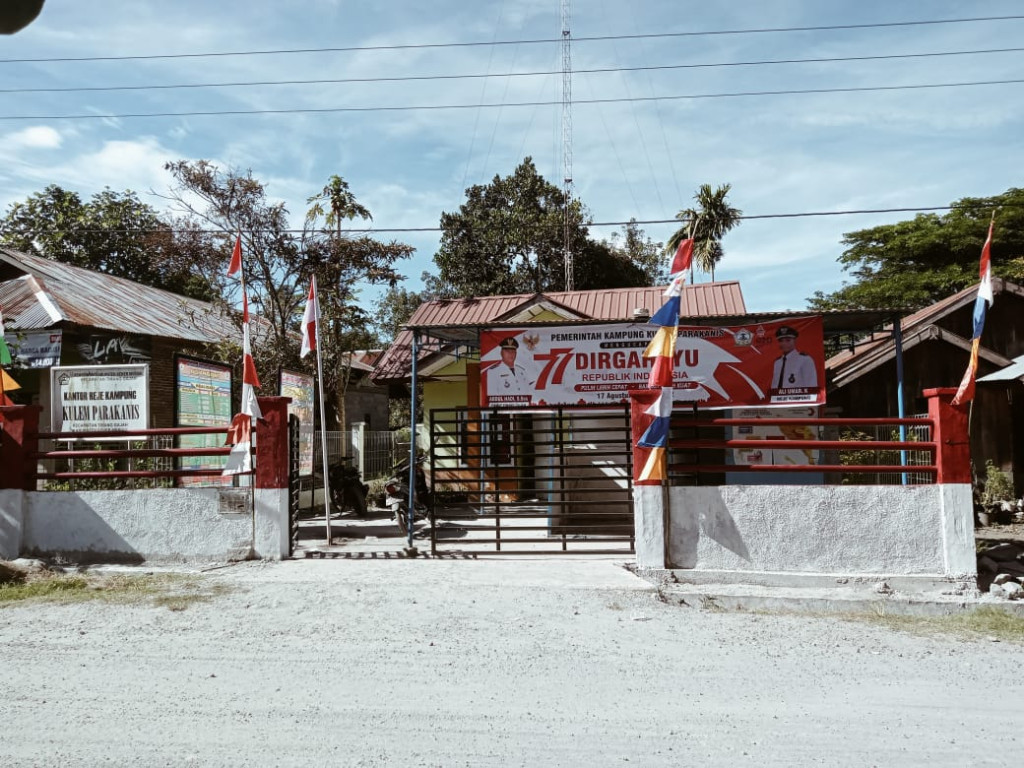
(514,482)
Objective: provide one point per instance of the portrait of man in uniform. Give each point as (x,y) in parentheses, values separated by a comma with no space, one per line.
(509,377)
(793,369)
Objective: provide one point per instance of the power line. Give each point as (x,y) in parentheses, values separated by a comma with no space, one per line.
(435,107)
(747,217)
(546,40)
(536,73)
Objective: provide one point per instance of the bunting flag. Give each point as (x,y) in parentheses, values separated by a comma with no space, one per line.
(310,321)
(682,262)
(965,393)
(5,352)
(240,440)
(662,348)
(656,435)
(656,466)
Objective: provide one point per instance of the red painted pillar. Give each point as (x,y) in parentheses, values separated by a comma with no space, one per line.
(640,401)
(953,452)
(19,439)
(272,443)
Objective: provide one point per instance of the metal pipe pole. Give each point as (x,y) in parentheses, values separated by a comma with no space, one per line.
(410,549)
(897,334)
(323,436)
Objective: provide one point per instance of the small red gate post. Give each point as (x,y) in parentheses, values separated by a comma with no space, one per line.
(953,449)
(19,439)
(650,499)
(270,490)
(953,477)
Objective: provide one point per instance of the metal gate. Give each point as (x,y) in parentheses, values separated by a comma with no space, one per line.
(293,483)
(517,481)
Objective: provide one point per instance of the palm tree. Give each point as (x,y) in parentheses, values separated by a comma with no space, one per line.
(707,224)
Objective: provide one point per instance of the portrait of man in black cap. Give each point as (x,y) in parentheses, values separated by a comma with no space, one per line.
(793,369)
(509,377)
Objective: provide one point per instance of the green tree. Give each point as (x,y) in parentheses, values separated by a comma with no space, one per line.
(634,245)
(279,262)
(115,233)
(507,238)
(394,310)
(707,224)
(916,262)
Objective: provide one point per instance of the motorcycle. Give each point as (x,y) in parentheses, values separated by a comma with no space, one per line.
(348,491)
(396,494)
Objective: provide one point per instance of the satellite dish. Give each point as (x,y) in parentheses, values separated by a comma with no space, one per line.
(18,14)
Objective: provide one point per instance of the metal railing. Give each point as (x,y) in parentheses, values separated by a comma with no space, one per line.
(143,458)
(842,451)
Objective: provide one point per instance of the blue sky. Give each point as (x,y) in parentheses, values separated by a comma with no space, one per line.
(643,159)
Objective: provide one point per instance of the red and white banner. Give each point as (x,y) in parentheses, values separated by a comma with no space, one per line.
(780,362)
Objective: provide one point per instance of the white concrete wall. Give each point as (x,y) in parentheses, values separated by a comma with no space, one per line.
(850,530)
(11,523)
(159,524)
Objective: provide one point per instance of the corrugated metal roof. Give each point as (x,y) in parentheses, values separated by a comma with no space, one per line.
(613,304)
(867,355)
(1012,372)
(96,300)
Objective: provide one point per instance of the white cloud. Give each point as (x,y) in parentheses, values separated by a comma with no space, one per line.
(35,137)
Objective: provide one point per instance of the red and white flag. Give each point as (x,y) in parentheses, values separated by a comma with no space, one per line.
(240,440)
(236,257)
(310,321)
(683,259)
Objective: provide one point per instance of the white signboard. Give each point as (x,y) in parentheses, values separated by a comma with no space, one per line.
(86,398)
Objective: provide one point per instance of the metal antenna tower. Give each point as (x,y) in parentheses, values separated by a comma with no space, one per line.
(567,139)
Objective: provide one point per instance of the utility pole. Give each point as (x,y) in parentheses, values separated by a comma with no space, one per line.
(567,139)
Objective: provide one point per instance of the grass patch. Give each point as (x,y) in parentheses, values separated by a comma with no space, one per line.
(980,624)
(176,592)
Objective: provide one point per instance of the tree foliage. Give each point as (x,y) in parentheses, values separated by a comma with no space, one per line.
(115,233)
(707,224)
(279,262)
(508,237)
(394,310)
(917,262)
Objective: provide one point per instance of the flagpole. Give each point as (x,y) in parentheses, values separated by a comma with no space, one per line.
(323,438)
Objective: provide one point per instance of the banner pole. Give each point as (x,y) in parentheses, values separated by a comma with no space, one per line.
(323,438)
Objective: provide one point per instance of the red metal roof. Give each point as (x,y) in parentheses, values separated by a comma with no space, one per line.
(700,300)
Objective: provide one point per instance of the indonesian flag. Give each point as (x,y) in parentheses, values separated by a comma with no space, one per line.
(310,321)
(240,440)
(965,393)
(249,378)
(682,262)
(236,256)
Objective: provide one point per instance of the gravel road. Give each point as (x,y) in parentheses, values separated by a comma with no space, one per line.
(480,663)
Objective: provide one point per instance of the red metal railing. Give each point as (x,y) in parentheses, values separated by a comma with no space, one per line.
(701,444)
(128,454)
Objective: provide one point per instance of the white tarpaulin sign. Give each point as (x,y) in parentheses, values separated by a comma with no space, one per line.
(99,397)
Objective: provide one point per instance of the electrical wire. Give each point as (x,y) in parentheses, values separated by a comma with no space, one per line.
(547,40)
(745,217)
(435,107)
(477,76)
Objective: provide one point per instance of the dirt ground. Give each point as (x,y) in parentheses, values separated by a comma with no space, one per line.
(486,663)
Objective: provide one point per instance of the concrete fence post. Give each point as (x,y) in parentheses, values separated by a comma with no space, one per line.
(953,462)
(650,512)
(19,439)
(270,491)
(359,447)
